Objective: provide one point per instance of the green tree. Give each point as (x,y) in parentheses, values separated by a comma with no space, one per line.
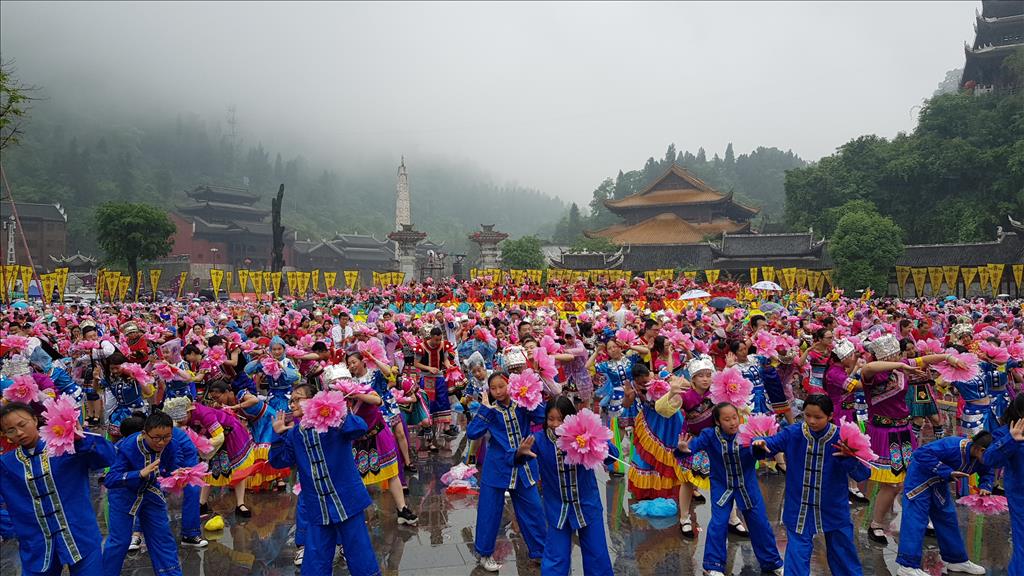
(14,100)
(865,247)
(522,253)
(131,233)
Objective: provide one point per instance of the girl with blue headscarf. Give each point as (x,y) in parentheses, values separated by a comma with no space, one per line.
(280,387)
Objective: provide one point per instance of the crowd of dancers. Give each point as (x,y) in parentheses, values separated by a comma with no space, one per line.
(166,387)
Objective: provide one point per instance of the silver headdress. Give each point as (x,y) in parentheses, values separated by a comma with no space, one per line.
(335,372)
(885,347)
(843,348)
(700,363)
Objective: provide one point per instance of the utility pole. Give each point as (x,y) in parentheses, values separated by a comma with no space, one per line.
(277,258)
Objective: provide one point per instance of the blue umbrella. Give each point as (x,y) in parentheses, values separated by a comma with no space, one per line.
(949,298)
(721,303)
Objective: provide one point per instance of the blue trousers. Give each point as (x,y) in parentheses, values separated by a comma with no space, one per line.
(936,504)
(558,551)
(1016,527)
(156,527)
(529,515)
(301,524)
(321,541)
(90,565)
(839,549)
(761,537)
(190,525)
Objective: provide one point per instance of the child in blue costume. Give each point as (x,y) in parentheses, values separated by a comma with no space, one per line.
(281,386)
(1007,450)
(576,504)
(186,456)
(49,495)
(817,499)
(62,381)
(124,395)
(508,425)
(133,493)
(733,480)
(926,496)
(333,496)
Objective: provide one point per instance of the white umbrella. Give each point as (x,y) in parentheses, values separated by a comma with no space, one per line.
(694,294)
(766,285)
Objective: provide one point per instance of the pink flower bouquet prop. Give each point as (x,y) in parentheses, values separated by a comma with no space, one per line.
(584,439)
(327,409)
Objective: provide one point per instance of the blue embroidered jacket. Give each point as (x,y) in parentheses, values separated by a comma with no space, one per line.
(1005,452)
(934,463)
(48,496)
(732,468)
(816,486)
(332,489)
(573,495)
(508,426)
(128,489)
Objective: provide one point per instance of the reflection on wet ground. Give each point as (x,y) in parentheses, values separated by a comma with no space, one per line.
(442,544)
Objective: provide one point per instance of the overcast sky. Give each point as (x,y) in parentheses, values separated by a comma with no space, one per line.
(552,96)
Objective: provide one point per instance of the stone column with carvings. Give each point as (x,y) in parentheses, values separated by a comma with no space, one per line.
(406,240)
(487,238)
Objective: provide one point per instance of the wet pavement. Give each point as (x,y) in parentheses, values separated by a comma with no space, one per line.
(442,544)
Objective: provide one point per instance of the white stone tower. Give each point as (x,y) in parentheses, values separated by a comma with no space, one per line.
(403,210)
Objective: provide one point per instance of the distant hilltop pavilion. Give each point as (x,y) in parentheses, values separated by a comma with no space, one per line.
(999,32)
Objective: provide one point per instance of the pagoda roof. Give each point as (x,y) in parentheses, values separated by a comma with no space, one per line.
(668,229)
(1001,8)
(784,245)
(999,31)
(76,259)
(30,211)
(206,207)
(203,226)
(1008,248)
(227,194)
(676,187)
(587,260)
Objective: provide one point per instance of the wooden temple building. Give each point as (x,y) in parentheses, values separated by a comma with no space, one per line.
(999,32)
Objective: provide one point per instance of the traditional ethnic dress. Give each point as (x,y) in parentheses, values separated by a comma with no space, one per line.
(976,415)
(654,471)
(375,453)
(50,497)
(840,388)
(572,505)
(435,386)
(235,460)
(997,377)
(280,388)
(889,425)
(768,395)
(817,498)
(260,419)
(617,374)
(921,395)
(122,397)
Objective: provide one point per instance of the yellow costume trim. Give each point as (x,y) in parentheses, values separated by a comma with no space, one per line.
(386,473)
(643,437)
(885,476)
(698,481)
(250,460)
(651,479)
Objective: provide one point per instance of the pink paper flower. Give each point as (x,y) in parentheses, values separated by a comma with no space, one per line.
(136,372)
(1016,350)
(765,343)
(997,354)
(186,476)
(656,389)
(545,364)
(525,389)
(60,430)
(203,445)
(19,343)
(757,426)
(85,345)
(985,505)
(327,409)
(454,376)
(165,371)
(216,356)
(458,472)
(929,346)
(293,352)
(484,334)
(730,386)
(584,439)
(857,441)
(24,389)
(297,489)
(306,342)
(349,387)
(372,347)
(951,374)
(271,367)
(549,345)
(626,336)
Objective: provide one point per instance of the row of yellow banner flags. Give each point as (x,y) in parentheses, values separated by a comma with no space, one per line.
(56,280)
(989,276)
(114,285)
(793,278)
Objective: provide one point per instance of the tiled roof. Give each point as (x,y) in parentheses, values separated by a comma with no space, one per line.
(676,187)
(767,244)
(668,228)
(1009,249)
(29,211)
(224,193)
(692,257)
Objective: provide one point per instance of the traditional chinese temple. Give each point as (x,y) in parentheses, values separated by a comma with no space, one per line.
(361,252)
(224,226)
(999,32)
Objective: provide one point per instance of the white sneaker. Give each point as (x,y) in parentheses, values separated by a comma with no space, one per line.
(967,567)
(136,543)
(338,553)
(779,571)
(908,571)
(713,573)
(298,556)
(489,564)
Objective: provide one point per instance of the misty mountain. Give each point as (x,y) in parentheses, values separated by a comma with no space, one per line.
(68,155)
